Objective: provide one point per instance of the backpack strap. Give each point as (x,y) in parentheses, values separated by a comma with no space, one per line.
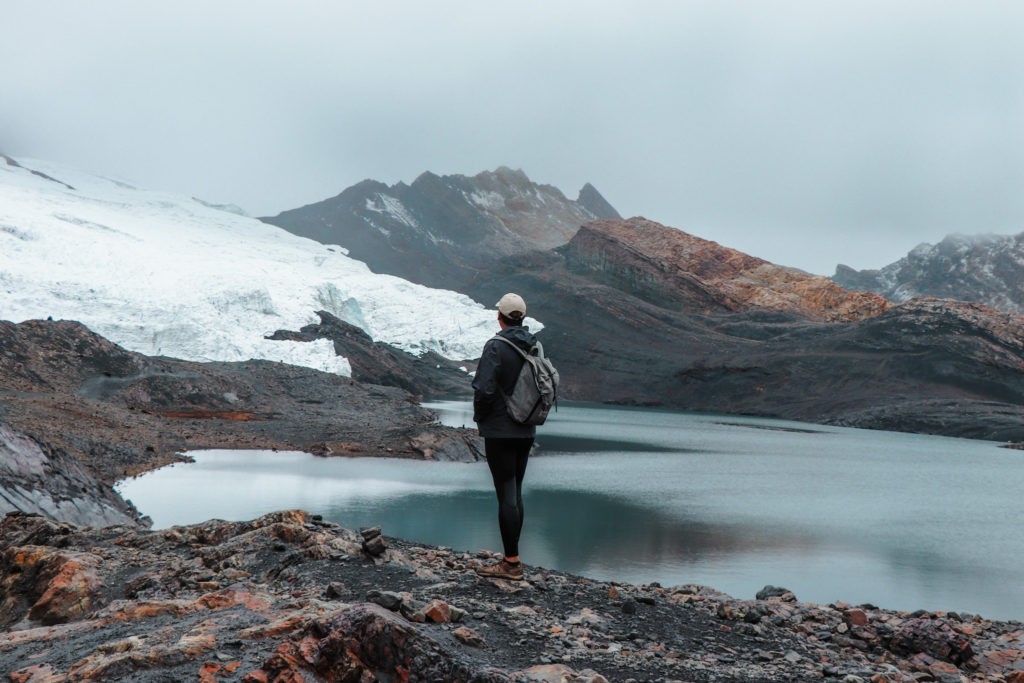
(536,350)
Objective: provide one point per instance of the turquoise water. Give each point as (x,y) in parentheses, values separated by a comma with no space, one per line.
(899,520)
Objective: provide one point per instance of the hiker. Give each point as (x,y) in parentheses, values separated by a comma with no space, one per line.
(507,443)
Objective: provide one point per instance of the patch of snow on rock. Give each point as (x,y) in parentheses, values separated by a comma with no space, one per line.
(488,199)
(391,206)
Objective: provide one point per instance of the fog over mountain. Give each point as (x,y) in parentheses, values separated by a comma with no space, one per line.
(805,133)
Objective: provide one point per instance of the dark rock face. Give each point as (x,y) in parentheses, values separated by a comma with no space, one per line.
(987,269)
(934,637)
(78,413)
(926,366)
(289,597)
(445,230)
(39,479)
(379,363)
(592,200)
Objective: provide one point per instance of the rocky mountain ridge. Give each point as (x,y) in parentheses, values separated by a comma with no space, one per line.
(640,313)
(440,224)
(987,269)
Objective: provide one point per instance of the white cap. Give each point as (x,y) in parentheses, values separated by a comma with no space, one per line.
(510,305)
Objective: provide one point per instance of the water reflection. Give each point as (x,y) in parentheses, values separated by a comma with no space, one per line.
(899,520)
(584,529)
(566,529)
(555,443)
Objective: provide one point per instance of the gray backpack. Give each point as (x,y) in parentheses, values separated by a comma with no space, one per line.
(536,388)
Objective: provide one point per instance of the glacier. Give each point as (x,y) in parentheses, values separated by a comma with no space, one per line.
(163,274)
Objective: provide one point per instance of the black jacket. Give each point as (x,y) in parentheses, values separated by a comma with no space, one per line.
(496,373)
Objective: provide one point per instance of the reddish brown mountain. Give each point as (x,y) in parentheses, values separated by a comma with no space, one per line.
(669,267)
(636,312)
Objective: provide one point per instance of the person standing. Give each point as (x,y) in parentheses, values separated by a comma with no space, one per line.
(507,443)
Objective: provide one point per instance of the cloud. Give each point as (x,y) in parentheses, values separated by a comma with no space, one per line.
(803,132)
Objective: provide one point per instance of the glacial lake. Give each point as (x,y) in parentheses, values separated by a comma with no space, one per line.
(901,521)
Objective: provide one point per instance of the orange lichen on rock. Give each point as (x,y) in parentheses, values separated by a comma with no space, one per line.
(148,610)
(224,599)
(67,584)
(39,673)
(281,626)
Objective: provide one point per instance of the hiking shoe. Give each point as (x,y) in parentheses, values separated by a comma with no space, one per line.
(502,570)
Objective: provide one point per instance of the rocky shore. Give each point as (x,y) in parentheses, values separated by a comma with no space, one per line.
(290,597)
(78,412)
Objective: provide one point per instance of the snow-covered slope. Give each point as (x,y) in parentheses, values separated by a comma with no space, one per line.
(169,275)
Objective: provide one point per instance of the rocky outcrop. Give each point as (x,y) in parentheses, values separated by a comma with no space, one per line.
(35,478)
(445,231)
(78,413)
(592,200)
(13,162)
(291,597)
(673,269)
(378,363)
(987,269)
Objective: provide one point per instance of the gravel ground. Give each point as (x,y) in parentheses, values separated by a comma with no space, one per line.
(289,597)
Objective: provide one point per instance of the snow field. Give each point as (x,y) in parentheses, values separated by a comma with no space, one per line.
(163,274)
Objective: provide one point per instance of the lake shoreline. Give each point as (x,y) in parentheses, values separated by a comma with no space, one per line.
(834,513)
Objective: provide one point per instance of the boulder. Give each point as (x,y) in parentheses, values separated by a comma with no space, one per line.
(933,637)
(48,585)
(775,592)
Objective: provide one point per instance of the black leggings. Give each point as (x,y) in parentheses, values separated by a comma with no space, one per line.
(507,460)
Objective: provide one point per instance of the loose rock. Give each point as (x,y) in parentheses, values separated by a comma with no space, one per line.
(270,621)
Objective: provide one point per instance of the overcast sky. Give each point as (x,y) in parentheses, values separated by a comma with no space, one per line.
(808,133)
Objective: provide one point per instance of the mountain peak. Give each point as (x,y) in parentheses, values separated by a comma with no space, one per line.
(983,268)
(428,229)
(509,175)
(595,203)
